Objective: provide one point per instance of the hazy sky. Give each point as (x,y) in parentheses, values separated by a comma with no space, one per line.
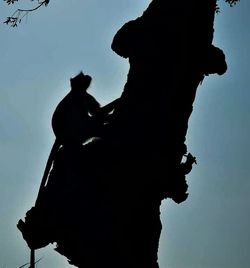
(209,230)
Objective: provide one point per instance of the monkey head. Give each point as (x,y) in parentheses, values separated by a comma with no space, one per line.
(80,81)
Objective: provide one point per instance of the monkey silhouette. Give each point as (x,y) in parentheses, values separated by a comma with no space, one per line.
(77,117)
(73,120)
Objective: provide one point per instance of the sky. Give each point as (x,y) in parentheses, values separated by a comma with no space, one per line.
(211,228)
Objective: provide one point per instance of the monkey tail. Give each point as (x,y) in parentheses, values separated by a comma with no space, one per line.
(48,166)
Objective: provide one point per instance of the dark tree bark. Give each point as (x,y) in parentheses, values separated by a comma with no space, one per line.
(108,192)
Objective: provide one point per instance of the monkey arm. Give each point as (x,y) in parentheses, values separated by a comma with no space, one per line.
(104,112)
(93,105)
(109,107)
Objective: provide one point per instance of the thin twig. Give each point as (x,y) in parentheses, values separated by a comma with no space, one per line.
(29,263)
(24,265)
(19,14)
(45,2)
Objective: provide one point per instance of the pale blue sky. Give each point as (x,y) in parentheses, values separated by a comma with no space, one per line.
(210,229)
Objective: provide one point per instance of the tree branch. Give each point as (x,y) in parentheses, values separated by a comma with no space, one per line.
(19,14)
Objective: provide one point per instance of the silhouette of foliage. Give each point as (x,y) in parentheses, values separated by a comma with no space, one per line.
(19,14)
(230,2)
(10,1)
